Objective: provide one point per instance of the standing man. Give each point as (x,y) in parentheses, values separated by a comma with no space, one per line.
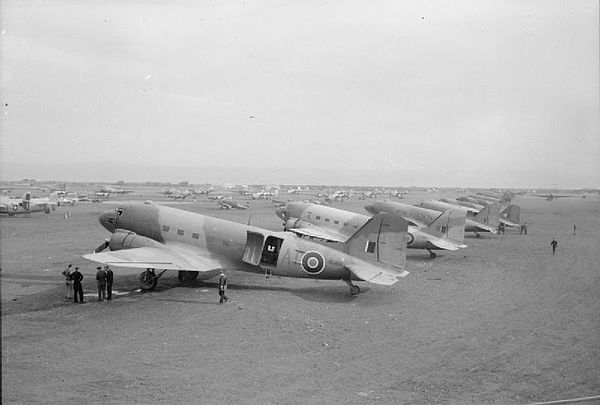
(574,229)
(77,287)
(101,281)
(68,282)
(554,244)
(109,282)
(222,287)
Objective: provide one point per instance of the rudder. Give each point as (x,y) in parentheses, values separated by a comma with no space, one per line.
(381,240)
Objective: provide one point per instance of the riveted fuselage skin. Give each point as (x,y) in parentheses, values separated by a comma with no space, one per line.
(227,241)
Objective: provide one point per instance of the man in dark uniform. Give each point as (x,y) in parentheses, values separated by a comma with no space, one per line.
(109,282)
(101,281)
(222,287)
(76,276)
(554,244)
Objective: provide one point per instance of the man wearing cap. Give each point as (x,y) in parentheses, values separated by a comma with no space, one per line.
(77,287)
(68,282)
(109,282)
(101,281)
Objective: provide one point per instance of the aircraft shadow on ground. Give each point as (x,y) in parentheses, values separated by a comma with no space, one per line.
(320,293)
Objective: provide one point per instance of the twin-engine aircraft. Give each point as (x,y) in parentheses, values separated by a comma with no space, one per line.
(421,216)
(28,205)
(231,204)
(446,232)
(154,237)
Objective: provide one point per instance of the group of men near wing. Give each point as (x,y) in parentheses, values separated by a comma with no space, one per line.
(74,288)
(104,282)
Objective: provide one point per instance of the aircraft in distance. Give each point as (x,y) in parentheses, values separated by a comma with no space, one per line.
(476,200)
(446,232)
(510,215)
(231,204)
(469,205)
(111,190)
(488,217)
(421,216)
(505,196)
(154,237)
(550,196)
(27,205)
(218,197)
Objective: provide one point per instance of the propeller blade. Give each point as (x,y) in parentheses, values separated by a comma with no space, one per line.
(103,246)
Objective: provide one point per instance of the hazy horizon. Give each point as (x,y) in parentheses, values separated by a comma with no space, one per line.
(468,93)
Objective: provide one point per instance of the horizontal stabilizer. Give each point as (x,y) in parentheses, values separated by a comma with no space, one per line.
(445,244)
(376,274)
(316,232)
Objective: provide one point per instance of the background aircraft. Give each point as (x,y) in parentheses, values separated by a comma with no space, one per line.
(111,190)
(151,236)
(231,204)
(27,205)
(316,221)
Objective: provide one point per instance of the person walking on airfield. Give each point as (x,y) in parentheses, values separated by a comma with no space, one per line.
(574,229)
(77,287)
(101,281)
(554,244)
(109,282)
(68,282)
(222,287)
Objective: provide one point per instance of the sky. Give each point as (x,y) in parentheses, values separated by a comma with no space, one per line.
(430,93)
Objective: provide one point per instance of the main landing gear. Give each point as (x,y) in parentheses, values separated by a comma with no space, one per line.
(148,279)
(477,235)
(431,254)
(354,289)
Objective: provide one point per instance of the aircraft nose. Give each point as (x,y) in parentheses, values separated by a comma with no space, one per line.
(108,220)
(283,213)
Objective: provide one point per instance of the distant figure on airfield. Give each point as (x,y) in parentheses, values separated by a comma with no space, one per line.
(525,228)
(222,287)
(77,287)
(68,282)
(101,281)
(109,282)
(574,229)
(554,244)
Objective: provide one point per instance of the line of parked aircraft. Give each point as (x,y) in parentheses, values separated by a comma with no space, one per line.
(318,241)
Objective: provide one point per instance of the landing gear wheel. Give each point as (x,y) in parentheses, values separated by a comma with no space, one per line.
(147,280)
(184,275)
(433,255)
(354,290)
(477,235)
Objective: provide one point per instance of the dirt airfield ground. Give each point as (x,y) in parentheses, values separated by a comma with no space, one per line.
(503,321)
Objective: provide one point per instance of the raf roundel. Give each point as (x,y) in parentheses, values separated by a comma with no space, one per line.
(410,238)
(313,262)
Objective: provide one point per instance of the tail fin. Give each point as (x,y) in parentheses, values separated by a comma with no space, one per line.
(450,224)
(512,213)
(489,215)
(26,201)
(381,240)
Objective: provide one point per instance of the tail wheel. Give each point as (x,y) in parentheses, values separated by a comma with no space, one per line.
(147,280)
(354,290)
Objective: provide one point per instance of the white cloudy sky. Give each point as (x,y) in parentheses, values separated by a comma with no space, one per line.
(466,93)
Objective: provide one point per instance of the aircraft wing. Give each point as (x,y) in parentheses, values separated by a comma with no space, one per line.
(321,233)
(163,259)
(376,274)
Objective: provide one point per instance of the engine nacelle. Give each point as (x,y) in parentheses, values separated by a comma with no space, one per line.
(129,240)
